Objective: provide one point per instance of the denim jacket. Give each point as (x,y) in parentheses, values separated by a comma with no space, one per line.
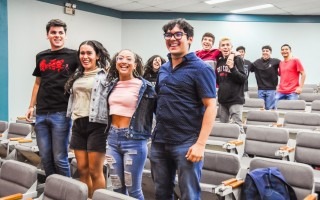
(141,120)
(98,103)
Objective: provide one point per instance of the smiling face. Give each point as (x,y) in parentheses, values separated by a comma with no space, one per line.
(178,48)
(207,43)
(56,36)
(225,47)
(285,52)
(156,63)
(126,65)
(88,57)
(266,54)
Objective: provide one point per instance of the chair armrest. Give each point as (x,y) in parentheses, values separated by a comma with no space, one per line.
(311,197)
(16,139)
(229,181)
(25,140)
(17,196)
(233,182)
(236,142)
(284,152)
(276,125)
(287,148)
(236,184)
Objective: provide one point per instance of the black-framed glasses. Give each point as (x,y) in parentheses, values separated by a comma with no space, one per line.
(177,35)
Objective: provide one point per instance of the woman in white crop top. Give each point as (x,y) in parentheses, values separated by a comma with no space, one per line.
(130,104)
(88,136)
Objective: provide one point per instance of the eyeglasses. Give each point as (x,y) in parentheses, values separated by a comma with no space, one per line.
(176,35)
(122,59)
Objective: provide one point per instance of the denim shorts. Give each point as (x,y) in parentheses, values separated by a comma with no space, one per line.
(88,136)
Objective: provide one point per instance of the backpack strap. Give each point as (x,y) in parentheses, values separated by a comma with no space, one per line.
(276,172)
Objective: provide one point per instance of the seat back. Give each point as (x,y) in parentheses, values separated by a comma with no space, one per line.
(309,97)
(16,177)
(299,176)
(19,130)
(296,120)
(219,166)
(266,118)
(265,141)
(58,187)
(253,88)
(315,106)
(103,194)
(224,132)
(310,85)
(253,104)
(291,105)
(3,126)
(308,148)
(253,94)
(307,90)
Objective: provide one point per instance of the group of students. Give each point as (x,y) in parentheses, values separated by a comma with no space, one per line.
(233,71)
(110,104)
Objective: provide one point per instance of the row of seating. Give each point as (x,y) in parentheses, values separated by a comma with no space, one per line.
(284,106)
(293,121)
(19,181)
(222,174)
(307,88)
(269,142)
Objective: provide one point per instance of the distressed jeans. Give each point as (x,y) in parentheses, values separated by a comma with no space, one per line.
(52,132)
(166,160)
(126,159)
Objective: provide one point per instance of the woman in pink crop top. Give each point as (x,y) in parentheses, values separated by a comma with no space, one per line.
(130,104)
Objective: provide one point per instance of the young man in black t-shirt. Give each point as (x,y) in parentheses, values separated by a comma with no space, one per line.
(266,73)
(52,127)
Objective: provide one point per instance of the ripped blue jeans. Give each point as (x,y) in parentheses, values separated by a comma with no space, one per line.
(126,158)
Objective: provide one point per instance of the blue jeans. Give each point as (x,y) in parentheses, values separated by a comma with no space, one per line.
(166,159)
(269,98)
(52,131)
(291,96)
(126,158)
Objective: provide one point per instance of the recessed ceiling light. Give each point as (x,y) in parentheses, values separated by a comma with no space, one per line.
(216,1)
(252,8)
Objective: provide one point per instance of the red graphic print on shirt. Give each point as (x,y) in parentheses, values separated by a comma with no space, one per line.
(54,65)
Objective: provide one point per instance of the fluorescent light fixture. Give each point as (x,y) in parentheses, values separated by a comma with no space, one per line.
(215,1)
(252,8)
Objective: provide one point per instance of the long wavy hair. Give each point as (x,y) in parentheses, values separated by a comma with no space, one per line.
(113,72)
(148,68)
(103,62)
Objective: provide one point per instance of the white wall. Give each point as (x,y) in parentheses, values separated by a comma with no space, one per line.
(145,37)
(27,36)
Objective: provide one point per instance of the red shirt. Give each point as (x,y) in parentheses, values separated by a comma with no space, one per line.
(289,72)
(208,55)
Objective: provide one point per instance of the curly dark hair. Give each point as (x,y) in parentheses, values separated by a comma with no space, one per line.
(103,62)
(113,72)
(148,68)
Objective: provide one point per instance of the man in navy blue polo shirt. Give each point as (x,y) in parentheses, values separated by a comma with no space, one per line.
(185,113)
